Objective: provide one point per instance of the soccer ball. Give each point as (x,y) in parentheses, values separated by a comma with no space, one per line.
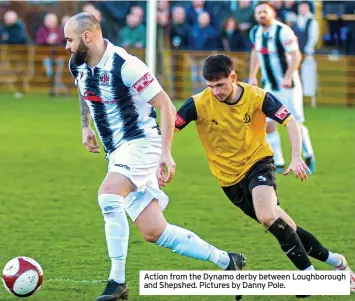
(22,276)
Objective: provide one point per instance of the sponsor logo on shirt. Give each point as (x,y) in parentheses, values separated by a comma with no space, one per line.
(179,121)
(92,97)
(281,113)
(140,85)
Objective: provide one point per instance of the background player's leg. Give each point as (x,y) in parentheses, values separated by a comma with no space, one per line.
(265,204)
(111,200)
(154,228)
(295,105)
(307,148)
(273,138)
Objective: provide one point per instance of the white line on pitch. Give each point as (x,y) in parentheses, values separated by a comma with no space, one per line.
(73,281)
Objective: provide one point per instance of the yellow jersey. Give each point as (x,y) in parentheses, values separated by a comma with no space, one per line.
(233,135)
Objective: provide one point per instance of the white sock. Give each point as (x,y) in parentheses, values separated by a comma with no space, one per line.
(219,258)
(187,243)
(333,259)
(275,142)
(307,148)
(118,270)
(310,268)
(117,234)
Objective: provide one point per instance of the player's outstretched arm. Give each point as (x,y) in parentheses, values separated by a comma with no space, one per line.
(88,135)
(297,165)
(274,109)
(163,103)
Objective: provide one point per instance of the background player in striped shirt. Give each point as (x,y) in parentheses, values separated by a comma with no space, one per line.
(276,52)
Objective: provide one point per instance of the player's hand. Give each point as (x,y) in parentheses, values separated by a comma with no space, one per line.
(89,140)
(299,168)
(253,81)
(286,82)
(166,169)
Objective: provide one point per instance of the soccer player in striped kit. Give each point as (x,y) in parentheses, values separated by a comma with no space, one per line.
(276,52)
(120,94)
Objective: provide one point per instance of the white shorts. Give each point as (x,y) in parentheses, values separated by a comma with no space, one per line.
(138,160)
(292,99)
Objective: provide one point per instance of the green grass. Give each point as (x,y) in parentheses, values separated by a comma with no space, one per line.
(49,211)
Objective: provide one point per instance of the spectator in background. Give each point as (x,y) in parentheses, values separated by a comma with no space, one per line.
(280,10)
(180,29)
(163,20)
(307,38)
(309,28)
(222,10)
(133,34)
(290,6)
(179,37)
(203,37)
(108,30)
(196,8)
(13,32)
(51,34)
(64,20)
(114,15)
(163,13)
(244,15)
(232,39)
(139,12)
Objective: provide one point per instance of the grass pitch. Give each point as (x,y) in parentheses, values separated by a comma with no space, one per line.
(49,211)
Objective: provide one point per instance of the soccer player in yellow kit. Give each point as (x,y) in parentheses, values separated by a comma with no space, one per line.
(230,118)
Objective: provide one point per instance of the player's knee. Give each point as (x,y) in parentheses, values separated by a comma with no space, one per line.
(111,203)
(151,235)
(266,219)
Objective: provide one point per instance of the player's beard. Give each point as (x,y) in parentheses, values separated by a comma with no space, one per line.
(265,22)
(81,54)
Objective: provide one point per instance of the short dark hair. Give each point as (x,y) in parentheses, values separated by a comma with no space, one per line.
(268,3)
(217,67)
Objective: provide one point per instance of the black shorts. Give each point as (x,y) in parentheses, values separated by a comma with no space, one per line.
(261,173)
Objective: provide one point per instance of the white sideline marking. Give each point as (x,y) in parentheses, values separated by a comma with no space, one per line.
(73,281)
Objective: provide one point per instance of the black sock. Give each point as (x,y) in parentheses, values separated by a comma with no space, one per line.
(290,243)
(312,246)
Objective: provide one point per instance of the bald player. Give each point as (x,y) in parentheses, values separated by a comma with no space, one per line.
(120,94)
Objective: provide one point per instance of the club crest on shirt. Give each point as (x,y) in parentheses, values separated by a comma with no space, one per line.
(105,79)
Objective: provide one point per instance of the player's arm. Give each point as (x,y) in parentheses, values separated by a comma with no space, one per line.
(163,103)
(84,112)
(88,134)
(254,60)
(185,114)
(143,84)
(290,44)
(275,110)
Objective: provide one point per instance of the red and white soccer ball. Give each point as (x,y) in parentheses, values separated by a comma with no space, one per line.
(22,276)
